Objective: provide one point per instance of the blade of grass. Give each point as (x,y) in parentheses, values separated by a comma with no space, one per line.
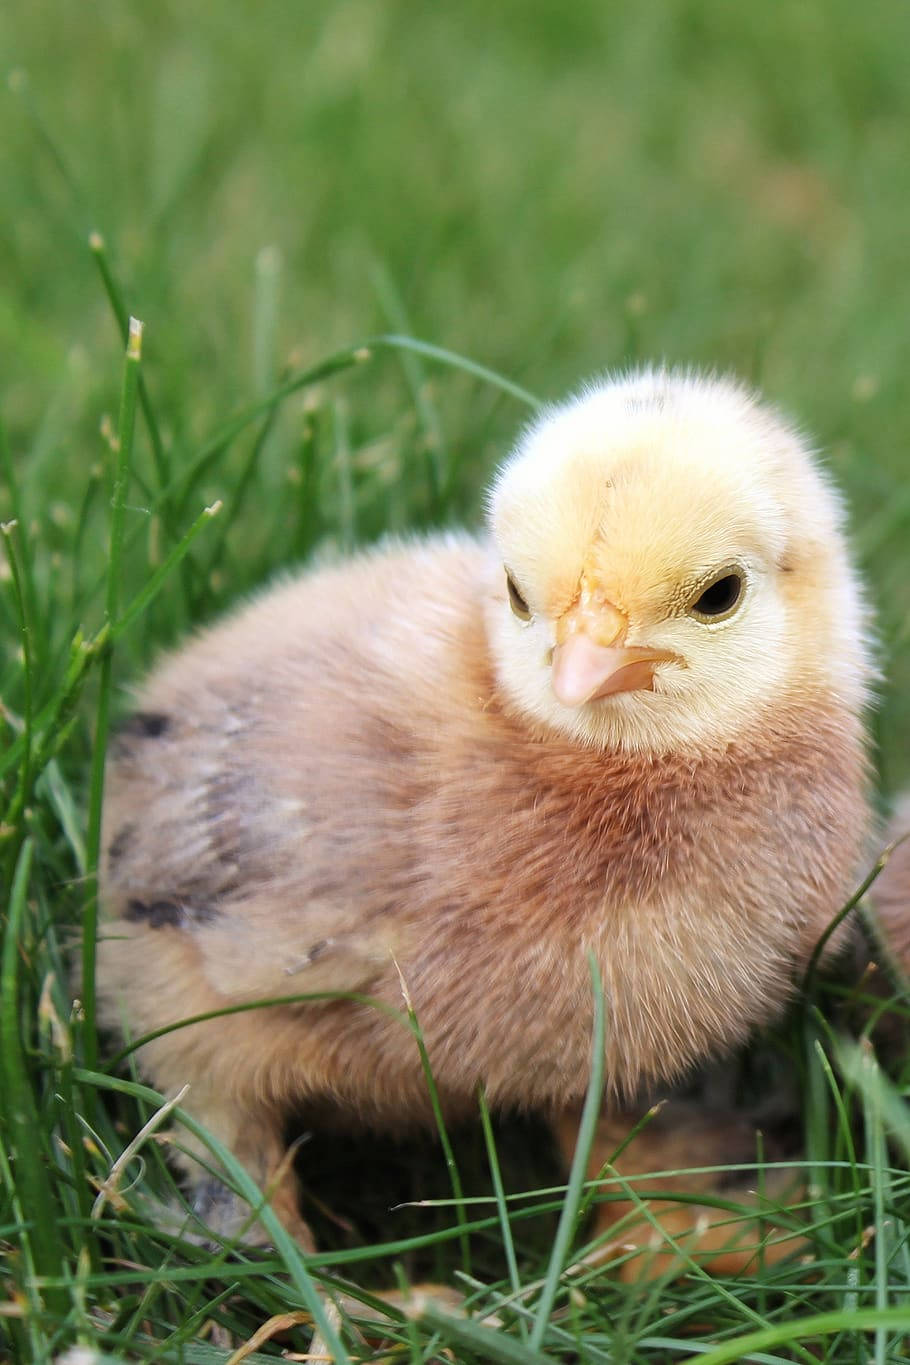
(610,1164)
(158,578)
(17,517)
(163,503)
(471,1336)
(19,1111)
(304,473)
(683,1350)
(271,1002)
(125,429)
(192,1324)
(410,1325)
(817,1117)
(58,1046)
(437,460)
(808,981)
(140,1274)
(845,1130)
(586,1131)
(801,1329)
(98,248)
(502,1207)
(52,719)
(241,488)
(92,485)
(55,786)
(876,1159)
(23,785)
(884,1108)
(110,1186)
(393,342)
(451,1164)
(19,86)
(607,1177)
(267,275)
(20,1228)
(347,509)
(494,1302)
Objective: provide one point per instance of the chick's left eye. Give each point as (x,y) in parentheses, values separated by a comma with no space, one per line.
(720,598)
(516,601)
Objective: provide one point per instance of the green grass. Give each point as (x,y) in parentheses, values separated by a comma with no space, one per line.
(547,192)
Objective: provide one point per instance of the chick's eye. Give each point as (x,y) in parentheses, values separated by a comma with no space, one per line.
(516,601)
(720,598)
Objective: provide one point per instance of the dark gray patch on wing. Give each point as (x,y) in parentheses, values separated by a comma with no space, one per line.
(120,843)
(195,828)
(144,725)
(171,913)
(226,812)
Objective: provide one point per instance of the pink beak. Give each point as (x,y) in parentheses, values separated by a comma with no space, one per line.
(585,671)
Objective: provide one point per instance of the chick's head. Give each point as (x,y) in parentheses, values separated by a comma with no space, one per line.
(674,569)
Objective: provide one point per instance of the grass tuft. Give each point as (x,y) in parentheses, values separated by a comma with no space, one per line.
(100,1250)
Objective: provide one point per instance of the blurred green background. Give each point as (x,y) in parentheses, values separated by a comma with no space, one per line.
(549,189)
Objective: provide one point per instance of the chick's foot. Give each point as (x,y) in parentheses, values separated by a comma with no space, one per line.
(649,1218)
(227,1215)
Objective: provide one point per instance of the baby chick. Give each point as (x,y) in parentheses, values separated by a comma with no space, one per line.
(625,722)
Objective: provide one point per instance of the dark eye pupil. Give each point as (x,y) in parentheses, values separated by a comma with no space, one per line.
(720,596)
(519,605)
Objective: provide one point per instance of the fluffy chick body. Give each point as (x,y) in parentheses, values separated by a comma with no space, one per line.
(364,779)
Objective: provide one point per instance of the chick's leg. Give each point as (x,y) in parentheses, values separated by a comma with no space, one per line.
(254,1136)
(151,980)
(652,1235)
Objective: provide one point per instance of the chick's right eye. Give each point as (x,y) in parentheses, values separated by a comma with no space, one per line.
(720,598)
(516,601)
